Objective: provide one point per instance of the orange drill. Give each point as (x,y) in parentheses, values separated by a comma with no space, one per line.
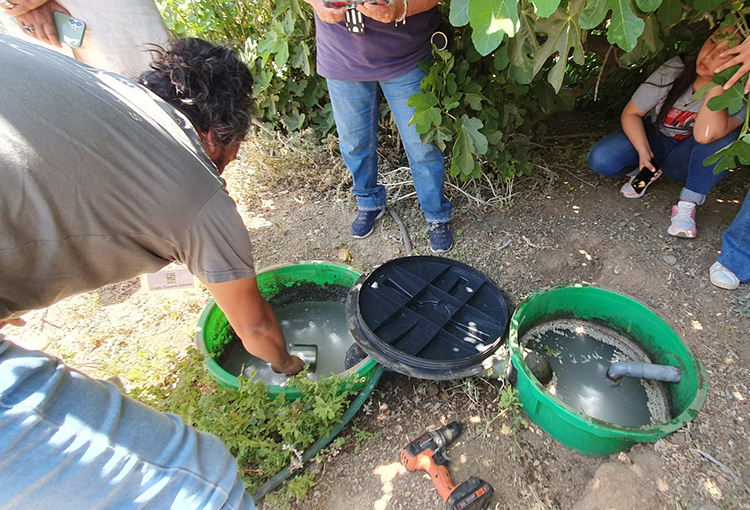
(427,453)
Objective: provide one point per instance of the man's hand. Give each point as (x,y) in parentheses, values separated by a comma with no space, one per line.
(327,14)
(12,322)
(253,320)
(290,367)
(39,23)
(740,55)
(383,13)
(22,7)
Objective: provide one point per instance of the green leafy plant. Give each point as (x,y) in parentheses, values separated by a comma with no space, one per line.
(509,411)
(361,436)
(264,435)
(483,97)
(276,40)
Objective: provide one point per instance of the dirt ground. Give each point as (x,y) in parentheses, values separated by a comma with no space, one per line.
(569,227)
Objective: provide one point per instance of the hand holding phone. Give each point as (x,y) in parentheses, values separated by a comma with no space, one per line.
(644,177)
(70,30)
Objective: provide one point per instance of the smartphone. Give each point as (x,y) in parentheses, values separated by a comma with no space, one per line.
(643,178)
(69,30)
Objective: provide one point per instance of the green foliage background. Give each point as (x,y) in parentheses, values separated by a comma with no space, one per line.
(512,62)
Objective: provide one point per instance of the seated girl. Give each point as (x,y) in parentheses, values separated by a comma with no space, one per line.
(678,135)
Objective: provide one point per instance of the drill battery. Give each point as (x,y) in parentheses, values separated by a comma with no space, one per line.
(473,494)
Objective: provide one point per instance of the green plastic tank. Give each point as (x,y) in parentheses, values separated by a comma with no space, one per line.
(629,317)
(213,332)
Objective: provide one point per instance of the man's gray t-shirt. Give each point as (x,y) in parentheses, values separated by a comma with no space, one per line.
(680,119)
(101,181)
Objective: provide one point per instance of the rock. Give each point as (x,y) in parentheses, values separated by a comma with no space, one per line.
(344,255)
(669,259)
(624,487)
(539,366)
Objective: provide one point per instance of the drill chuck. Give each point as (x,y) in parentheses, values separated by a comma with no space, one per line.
(448,433)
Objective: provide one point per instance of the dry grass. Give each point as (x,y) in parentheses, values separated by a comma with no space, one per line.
(312,167)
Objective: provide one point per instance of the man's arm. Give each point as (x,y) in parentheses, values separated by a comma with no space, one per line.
(255,323)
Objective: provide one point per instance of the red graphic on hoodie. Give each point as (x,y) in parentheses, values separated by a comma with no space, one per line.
(678,119)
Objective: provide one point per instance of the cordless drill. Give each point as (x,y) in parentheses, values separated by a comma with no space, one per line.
(427,453)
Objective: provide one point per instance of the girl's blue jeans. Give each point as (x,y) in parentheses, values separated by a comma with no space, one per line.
(68,441)
(355,110)
(735,245)
(680,160)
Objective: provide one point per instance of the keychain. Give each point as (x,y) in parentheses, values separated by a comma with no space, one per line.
(354,21)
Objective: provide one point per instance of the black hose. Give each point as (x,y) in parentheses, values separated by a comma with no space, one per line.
(404,232)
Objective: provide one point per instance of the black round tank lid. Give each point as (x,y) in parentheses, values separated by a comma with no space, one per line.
(428,317)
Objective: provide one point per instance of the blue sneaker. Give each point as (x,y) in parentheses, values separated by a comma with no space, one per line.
(440,237)
(363,225)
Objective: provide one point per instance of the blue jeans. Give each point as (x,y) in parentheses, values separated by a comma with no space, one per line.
(71,442)
(680,160)
(355,110)
(735,244)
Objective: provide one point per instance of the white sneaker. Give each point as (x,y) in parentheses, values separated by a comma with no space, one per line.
(683,220)
(723,277)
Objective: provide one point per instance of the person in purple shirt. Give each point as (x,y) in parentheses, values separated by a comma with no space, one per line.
(365,50)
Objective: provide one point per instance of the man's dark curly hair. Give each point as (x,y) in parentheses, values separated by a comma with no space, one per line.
(207,83)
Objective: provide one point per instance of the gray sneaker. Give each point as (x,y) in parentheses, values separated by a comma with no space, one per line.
(723,277)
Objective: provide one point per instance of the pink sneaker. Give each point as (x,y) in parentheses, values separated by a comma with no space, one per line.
(683,220)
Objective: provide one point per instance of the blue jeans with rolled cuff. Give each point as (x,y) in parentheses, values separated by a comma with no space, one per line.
(680,160)
(355,110)
(68,441)
(735,244)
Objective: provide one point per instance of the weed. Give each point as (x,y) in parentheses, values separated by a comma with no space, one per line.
(509,410)
(264,435)
(472,390)
(741,305)
(361,436)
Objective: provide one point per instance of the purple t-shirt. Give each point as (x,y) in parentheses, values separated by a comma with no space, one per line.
(385,51)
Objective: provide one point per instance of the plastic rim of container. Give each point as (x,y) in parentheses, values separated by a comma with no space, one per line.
(213,328)
(628,316)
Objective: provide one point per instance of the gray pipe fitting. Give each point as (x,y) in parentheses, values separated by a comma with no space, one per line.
(640,370)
